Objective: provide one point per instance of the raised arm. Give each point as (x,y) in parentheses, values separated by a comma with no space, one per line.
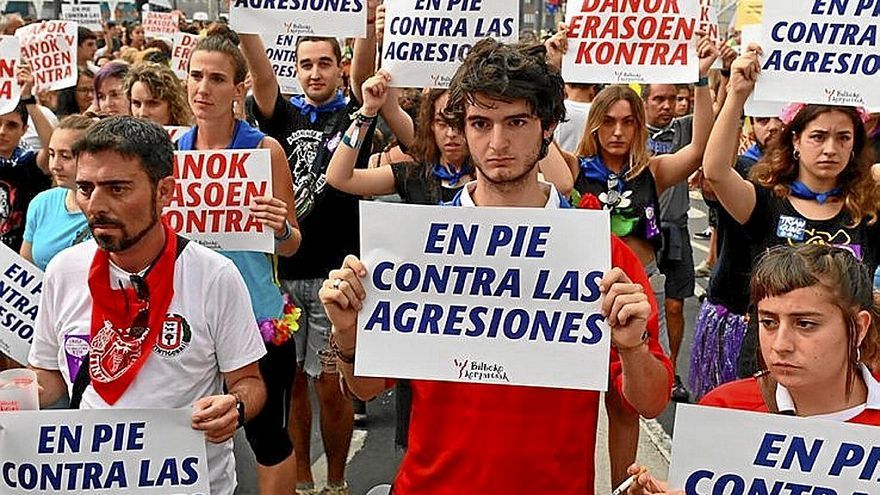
(38,118)
(555,168)
(736,194)
(265,86)
(671,169)
(341,173)
(363,58)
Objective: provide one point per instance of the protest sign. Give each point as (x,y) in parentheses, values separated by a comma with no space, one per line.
(426,40)
(10,91)
(334,18)
(184,43)
(86,15)
(20,286)
(175,131)
(119,451)
(281,50)
(820,51)
(771,454)
(213,195)
(709,25)
(748,12)
(625,41)
(160,25)
(753,107)
(50,48)
(484,295)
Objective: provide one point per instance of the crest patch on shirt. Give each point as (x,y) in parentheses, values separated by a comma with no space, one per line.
(175,336)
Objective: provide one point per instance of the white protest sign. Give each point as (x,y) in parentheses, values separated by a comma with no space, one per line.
(281,50)
(160,25)
(87,15)
(820,51)
(184,43)
(490,295)
(90,451)
(709,25)
(334,18)
(426,40)
(632,41)
(10,91)
(755,108)
(213,195)
(50,48)
(771,454)
(20,284)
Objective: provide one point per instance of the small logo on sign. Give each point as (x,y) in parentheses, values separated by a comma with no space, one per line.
(791,228)
(480,371)
(843,97)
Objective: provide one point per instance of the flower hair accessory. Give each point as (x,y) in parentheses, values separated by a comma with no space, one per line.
(793,109)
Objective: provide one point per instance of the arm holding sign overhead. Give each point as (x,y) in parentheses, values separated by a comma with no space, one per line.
(671,169)
(363,58)
(341,173)
(265,86)
(44,128)
(736,194)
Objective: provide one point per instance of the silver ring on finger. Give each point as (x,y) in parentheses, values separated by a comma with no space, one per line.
(336,282)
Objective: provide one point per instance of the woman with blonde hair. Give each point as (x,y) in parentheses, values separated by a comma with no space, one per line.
(156,94)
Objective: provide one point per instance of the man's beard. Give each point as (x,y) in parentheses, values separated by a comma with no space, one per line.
(509,183)
(112,245)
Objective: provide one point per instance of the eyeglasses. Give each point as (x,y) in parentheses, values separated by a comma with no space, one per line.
(141,322)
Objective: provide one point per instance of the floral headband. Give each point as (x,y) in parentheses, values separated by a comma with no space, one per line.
(793,109)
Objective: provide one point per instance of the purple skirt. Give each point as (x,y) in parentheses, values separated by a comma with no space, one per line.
(718,336)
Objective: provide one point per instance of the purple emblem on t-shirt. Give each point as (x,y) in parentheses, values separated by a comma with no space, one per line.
(76,347)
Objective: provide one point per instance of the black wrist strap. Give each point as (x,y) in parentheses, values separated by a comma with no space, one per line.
(82,380)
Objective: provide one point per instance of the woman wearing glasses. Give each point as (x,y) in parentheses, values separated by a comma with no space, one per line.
(77,99)
(217,70)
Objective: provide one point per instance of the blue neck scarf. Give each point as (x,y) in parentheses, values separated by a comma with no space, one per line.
(18,155)
(800,190)
(444,172)
(753,153)
(594,170)
(311,111)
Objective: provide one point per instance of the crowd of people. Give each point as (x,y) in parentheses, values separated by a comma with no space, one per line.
(789,321)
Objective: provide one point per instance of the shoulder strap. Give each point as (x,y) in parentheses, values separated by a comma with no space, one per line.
(82,379)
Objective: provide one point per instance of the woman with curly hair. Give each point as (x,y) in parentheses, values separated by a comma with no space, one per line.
(157,94)
(813,185)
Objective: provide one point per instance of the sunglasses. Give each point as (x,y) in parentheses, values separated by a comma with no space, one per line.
(141,322)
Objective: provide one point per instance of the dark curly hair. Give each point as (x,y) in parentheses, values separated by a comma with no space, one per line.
(508,72)
(779,167)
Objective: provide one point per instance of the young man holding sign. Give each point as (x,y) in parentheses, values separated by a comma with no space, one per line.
(139,317)
(508,102)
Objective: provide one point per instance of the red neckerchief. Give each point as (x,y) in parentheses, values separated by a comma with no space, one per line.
(116,355)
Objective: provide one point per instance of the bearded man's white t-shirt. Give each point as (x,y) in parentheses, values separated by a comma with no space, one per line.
(209,330)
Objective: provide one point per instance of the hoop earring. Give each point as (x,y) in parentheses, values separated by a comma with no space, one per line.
(797,155)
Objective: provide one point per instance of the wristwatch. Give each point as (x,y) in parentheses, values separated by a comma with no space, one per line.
(239,406)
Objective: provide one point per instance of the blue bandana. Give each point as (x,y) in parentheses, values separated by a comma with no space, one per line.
(800,190)
(594,170)
(444,172)
(19,155)
(311,111)
(753,153)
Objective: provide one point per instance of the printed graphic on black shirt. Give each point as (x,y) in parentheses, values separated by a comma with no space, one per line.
(310,173)
(9,218)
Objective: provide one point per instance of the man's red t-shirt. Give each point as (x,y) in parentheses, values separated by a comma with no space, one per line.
(481,439)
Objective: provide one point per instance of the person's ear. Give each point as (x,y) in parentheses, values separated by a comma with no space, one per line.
(164,192)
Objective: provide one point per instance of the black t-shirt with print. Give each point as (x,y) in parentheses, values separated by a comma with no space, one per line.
(729,283)
(416,185)
(328,218)
(19,183)
(776,222)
